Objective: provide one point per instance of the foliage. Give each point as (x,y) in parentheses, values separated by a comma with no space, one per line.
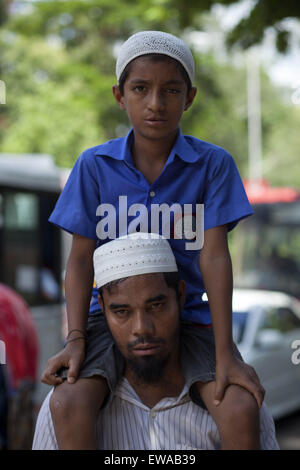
(58,64)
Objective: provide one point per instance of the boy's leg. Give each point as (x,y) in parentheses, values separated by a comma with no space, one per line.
(74,409)
(237,416)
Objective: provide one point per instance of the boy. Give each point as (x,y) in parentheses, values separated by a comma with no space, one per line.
(154,164)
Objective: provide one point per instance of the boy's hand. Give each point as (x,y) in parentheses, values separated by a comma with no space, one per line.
(230,371)
(71,357)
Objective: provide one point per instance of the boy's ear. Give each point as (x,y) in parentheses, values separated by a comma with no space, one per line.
(118,96)
(100,301)
(190,97)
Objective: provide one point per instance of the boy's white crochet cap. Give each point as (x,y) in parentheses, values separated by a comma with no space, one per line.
(155,42)
(133,254)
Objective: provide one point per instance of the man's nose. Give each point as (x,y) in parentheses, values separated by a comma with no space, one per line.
(142,324)
(156,101)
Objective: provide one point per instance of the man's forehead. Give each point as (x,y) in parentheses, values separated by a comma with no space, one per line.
(141,287)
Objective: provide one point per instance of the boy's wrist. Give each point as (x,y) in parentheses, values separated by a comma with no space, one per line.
(75,332)
(77,338)
(74,346)
(224,355)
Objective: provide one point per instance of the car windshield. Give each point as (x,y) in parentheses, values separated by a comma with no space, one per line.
(239,320)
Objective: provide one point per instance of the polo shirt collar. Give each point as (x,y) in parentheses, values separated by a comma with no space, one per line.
(120,149)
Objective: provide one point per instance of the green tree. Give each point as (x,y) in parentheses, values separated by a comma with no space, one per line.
(59,67)
(58,64)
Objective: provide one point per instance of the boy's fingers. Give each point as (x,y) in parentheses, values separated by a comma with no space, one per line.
(51,379)
(256,379)
(49,375)
(73,371)
(254,388)
(219,391)
(260,395)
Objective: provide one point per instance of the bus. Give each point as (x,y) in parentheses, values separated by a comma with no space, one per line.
(266,246)
(32,251)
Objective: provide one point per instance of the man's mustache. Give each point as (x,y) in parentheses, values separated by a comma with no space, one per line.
(144,340)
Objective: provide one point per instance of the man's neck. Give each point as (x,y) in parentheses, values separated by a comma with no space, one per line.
(170,385)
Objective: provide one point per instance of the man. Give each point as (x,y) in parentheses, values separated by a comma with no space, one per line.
(155,405)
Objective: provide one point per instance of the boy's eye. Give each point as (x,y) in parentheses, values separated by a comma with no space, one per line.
(139,88)
(174,91)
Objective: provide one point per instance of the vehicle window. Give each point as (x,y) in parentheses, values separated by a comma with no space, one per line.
(265,249)
(282,319)
(21,211)
(29,245)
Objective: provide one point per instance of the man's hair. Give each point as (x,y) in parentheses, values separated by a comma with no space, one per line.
(155,58)
(171,279)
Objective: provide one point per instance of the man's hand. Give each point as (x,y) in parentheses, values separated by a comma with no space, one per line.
(71,357)
(231,370)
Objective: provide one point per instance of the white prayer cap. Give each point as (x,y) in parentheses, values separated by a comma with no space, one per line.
(155,42)
(133,254)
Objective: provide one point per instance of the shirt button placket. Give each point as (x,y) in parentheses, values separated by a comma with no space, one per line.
(152,432)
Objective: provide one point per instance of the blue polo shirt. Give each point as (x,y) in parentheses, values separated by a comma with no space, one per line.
(196,172)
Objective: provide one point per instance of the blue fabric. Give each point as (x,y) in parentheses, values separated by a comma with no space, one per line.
(196,172)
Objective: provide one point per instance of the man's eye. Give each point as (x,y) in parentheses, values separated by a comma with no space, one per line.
(121,313)
(157,305)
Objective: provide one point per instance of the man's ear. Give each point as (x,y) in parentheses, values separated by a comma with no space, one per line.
(181,292)
(190,98)
(118,96)
(100,301)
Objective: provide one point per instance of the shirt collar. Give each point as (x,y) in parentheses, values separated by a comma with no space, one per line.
(126,392)
(120,149)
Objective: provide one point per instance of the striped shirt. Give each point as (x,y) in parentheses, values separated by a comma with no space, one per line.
(172,424)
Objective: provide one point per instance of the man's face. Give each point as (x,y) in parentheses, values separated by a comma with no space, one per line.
(142,313)
(155,97)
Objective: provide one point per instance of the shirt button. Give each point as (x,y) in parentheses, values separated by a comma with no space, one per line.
(152,193)
(152,414)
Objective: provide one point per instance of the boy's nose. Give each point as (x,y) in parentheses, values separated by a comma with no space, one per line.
(156,101)
(142,324)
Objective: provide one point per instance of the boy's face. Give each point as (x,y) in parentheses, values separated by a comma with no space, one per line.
(155,97)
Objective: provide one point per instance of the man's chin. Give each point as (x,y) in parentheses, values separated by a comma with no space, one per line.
(148,369)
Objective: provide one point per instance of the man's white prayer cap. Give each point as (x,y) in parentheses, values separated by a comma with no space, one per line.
(155,42)
(133,254)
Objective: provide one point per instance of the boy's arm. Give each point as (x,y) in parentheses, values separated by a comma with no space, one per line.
(79,281)
(78,287)
(216,269)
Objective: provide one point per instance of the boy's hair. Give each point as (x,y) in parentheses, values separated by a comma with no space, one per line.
(155,58)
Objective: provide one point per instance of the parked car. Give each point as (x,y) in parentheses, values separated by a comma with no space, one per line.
(266,325)
(18,371)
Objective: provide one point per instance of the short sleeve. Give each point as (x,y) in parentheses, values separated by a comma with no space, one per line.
(75,210)
(225,199)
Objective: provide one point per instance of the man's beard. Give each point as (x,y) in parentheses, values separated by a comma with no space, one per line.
(149,369)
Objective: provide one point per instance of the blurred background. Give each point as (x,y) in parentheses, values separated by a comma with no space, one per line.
(57,62)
